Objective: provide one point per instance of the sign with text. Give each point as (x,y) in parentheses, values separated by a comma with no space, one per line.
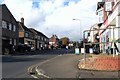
(82,50)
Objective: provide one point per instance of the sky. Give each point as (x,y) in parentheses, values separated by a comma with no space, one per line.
(56,16)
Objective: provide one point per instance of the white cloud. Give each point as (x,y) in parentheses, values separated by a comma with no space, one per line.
(52,17)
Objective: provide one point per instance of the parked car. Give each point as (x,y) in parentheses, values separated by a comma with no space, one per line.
(23,48)
(32,48)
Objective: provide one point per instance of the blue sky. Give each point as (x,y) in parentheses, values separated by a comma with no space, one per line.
(35,4)
(1,1)
(55,16)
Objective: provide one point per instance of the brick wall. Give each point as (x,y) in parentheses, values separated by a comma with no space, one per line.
(102,63)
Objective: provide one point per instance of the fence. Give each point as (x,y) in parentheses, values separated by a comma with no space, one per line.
(102,40)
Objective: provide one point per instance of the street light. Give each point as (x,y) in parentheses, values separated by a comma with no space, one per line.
(83,43)
(78,20)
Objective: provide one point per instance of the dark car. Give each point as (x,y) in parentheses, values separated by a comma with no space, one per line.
(23,48)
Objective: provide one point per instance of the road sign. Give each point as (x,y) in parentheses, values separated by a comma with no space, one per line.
(82,50)
(77,51)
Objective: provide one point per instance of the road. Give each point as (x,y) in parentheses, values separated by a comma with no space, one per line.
(53,63)
(16,66)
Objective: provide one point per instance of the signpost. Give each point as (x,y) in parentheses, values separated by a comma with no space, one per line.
(82,51)
(77,51)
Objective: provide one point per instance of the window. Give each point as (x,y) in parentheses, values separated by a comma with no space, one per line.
(14,41)
(10,26)
(4,24)
(108,6)
(45,39)
(100,13)
(38,37)
(42,38)
(14,28)
(26,34)
(10,41)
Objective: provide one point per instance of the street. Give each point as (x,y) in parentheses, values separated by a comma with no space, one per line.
(52,63)
(66,66)
(16,66)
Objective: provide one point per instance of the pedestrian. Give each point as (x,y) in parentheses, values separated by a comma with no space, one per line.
(66,49)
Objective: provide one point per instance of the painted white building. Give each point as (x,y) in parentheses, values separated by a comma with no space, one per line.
(109,18)
(93,31)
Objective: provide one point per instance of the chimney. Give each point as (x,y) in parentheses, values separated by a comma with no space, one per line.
(22,20)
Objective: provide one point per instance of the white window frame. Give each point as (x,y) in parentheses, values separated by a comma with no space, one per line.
(10,26)
(108,6)
(100,14)
(10,40)
(42,38)
(26,34)
(14,41)
(4,24)
(14,28)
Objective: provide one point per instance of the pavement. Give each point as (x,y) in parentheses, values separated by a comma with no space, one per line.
(66,66)
(62,66)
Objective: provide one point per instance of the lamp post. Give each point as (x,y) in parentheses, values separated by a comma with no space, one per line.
(83,43)
(78,20)
(80,24)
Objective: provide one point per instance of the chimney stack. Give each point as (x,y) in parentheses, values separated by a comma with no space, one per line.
(22,20)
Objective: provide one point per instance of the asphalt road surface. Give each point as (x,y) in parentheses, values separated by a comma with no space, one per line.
(16,66)
(58,65)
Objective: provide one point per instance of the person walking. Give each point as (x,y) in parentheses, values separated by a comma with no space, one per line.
(66,49)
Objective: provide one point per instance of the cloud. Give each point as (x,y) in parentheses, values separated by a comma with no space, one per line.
(55,16)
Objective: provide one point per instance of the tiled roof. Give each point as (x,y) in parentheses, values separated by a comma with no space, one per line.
(39,33)
(25,28)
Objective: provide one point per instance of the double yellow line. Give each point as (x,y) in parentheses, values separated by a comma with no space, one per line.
(38,72)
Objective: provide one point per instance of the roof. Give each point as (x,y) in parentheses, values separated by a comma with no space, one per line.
(39,33)
(6,12)
(24,27)
(100,4)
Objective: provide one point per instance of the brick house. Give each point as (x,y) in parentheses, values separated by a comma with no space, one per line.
(53,42)
(26,36)
(41,41)
(9,29)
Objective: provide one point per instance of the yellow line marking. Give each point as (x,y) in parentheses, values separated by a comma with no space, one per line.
(37,65)
(34,76)
(39,73)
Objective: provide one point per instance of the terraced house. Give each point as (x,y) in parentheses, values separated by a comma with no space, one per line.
(9,30)
(26,36)
(41,41)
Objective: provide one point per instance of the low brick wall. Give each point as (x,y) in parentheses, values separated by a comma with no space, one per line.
(101,63)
